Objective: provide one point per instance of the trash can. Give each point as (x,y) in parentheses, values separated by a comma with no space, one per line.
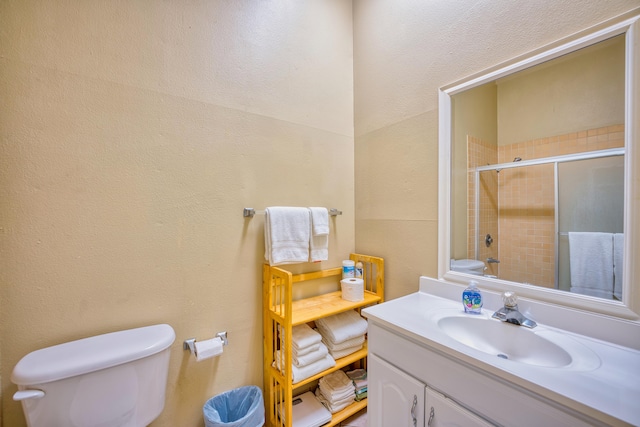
(240,407)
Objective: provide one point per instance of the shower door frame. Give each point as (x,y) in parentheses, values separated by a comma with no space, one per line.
(555,160)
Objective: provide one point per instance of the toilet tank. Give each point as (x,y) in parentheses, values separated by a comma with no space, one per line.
(115,379)
(469,266)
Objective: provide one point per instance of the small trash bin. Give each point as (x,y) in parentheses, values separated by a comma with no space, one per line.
(240,407)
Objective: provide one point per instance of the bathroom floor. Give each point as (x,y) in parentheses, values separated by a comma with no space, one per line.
(356,420)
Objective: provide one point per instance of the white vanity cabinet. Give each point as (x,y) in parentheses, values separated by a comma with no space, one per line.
(401,367)
(395,398)
(398,399)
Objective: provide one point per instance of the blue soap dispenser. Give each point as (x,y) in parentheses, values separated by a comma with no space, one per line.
(472,298)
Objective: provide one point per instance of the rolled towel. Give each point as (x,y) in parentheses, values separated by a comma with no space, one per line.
(345,344)
(308,359)
(342,326)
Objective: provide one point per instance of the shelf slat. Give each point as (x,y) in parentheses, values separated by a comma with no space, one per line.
(309,309)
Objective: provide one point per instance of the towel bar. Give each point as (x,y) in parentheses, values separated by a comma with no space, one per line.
(250,212)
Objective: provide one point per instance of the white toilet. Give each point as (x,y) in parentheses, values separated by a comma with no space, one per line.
(469,266)
(115,379)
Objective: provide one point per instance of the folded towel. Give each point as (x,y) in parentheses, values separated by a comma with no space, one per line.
(337,354)
(319,240)
(591,263)
(342,326)
(333,407)
(359,379)
(338,396)
(618,249)
(304,372)
(345,344)
(286,235)
(308,359)
(335,390)
(305,350)
(336,380)
(303,336)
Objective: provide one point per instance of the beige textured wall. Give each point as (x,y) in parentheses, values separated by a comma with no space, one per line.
(474,115)
(132,134)
(585,89)
(404,51)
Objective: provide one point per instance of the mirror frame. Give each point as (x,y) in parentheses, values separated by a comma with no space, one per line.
(629,307)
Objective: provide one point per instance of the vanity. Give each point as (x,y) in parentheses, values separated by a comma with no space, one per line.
(431,364)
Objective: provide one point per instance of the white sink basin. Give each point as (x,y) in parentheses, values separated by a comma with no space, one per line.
(504,340)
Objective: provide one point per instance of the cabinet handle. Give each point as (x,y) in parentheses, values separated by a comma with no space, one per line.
(432,414)
(413,410)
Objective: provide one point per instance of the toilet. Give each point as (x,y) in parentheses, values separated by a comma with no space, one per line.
(115,379)
(469,266)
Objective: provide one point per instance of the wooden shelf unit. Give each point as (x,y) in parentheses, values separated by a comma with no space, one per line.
(281,313)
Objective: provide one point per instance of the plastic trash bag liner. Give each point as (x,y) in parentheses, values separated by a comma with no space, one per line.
(240,407)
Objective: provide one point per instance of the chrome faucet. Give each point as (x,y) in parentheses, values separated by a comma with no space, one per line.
(510,314)
(492,260)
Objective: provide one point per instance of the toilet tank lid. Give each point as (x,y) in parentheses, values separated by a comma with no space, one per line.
(467,263)
(91,354)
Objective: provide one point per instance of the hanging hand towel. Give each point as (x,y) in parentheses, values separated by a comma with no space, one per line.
(286,235)
(591,264)
(319,241)
(618,249)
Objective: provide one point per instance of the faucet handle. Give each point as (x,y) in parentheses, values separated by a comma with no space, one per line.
(510,299)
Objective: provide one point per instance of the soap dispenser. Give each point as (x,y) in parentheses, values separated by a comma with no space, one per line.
(472,299)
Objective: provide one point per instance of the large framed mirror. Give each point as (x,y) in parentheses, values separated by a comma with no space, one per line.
(540,172)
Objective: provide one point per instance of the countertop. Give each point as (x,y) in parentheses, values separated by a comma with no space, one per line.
(605,384)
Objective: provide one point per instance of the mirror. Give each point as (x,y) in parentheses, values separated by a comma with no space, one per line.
(537,173)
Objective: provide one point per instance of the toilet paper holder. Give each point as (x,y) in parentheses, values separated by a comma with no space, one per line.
(190,344)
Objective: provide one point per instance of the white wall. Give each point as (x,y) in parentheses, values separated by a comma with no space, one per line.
(132,135)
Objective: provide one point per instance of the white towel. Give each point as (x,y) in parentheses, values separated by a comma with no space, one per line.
(320,221)
(333,407)
(342,326)
(618,250)
(319,240)
(335,381)
(345,344)
(309,358)
(304,372)
(286,235)
(304,350)
(337,354)
(591,264)
(303,336)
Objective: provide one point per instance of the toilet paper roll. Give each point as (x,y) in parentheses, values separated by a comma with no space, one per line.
(208,348)
(352,289)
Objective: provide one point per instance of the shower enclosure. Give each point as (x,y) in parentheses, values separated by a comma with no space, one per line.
(521,211)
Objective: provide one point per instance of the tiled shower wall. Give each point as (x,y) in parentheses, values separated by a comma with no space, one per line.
(521,219)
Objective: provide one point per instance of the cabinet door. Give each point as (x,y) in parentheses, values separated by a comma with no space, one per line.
(443,412)
(395,398)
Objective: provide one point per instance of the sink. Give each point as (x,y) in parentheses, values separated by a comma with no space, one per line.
(506,341)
